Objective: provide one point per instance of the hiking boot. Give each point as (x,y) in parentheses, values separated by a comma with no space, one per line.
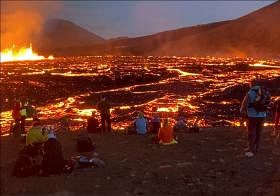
(249,154)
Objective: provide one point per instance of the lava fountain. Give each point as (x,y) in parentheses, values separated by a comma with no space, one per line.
(23,54)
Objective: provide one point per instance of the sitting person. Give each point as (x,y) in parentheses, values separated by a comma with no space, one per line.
(93,124)
(141,124)
(84,143)
(155,123)
(165,134)
(36,134)
(181,124)
(53,161)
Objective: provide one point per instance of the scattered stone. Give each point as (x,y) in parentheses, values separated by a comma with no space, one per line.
(221,160)
(194,157)
(165,166)
(184,164)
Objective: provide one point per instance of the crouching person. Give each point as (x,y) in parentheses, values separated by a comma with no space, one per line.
(166,134)
(36,135)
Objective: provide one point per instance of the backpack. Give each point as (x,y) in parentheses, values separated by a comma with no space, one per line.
(261,105)
(84,144)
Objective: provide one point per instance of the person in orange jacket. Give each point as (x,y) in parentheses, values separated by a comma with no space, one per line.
(165,134)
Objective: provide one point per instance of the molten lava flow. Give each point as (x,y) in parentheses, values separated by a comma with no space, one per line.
(23,54)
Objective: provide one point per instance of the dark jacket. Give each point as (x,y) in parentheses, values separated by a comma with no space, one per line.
(53,161)
(93,125)
(104,108)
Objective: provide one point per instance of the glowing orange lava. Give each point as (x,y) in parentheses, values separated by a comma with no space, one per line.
(23,54)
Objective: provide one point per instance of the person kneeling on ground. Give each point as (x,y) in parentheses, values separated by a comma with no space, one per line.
(93,124)
(181,125)
(141,124)
(165,134)
(53,161)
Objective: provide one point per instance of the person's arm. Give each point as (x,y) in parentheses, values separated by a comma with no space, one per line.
(159,134)
(43,137)
(243,108)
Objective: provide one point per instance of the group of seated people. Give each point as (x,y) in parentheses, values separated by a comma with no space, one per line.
(141,125)
(164,130)
(42,154)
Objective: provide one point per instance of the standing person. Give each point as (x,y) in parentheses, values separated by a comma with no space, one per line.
(104,108)
(276,112)
(254,107)
(17,118)
(23,113)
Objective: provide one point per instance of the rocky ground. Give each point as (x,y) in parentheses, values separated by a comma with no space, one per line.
(208,163)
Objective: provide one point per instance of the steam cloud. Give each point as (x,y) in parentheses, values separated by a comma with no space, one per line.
(21,21)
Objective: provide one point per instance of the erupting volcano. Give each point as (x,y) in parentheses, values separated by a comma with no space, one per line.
(22,54)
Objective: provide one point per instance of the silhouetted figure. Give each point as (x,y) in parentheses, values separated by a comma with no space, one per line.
(155,123)
(53,161)
(93,124)
(104,108)
(15,129)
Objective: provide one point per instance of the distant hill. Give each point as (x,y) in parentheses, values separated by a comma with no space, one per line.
(256,35)
(57,33)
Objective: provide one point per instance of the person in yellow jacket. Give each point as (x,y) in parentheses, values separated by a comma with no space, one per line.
(36,134)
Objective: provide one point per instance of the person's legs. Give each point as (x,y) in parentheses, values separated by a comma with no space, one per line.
(259,127)
(276,121)
(251,133)
(22,125)
(108,123)
(103,127)
(16,128)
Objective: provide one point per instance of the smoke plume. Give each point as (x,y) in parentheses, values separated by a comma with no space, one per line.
(21,21)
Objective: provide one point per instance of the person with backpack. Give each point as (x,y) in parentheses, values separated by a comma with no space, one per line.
(104,108)
(254,107)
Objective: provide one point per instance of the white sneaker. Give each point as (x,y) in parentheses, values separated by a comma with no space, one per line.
(249,154)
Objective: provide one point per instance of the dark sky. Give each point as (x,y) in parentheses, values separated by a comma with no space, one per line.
(135,18)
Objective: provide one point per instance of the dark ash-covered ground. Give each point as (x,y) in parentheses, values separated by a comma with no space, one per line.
(207,163)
